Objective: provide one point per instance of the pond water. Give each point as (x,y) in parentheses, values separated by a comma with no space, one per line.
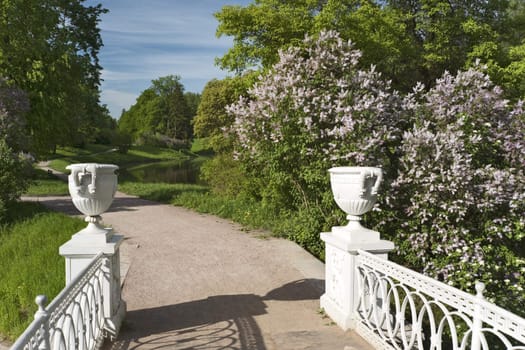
(169,172)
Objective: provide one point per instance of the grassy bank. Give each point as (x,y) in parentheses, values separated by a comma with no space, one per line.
(31,265)
(105,154)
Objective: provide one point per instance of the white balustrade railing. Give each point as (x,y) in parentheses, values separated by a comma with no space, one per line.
(398,308)
(75,318)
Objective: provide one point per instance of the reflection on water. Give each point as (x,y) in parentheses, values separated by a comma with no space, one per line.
(169,172)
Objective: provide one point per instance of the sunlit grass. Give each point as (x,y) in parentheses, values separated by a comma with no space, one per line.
(69,151)
(31,264)
(156,153)
(202,147)
(159,192)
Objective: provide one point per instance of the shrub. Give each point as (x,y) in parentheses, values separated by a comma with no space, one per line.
(14,104)
(122,140)
(14,177)
(225,176)
(315,109)
(14,166)
(458,201)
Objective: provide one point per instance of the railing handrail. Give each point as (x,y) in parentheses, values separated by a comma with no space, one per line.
(420,282)
(473,305)
(68,293)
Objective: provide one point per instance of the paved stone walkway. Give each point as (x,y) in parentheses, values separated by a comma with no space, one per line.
(196,281)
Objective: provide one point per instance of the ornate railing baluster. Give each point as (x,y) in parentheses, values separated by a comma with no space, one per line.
(401,309)
(477,322)
(43,315)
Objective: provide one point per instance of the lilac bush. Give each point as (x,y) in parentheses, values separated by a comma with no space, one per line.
(14,104)
(315,109)
(458,201)
(453,156)
(13,167)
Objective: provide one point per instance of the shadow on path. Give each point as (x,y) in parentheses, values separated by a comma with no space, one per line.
(217,322)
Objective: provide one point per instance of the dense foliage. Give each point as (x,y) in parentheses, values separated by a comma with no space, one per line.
(454,193)
(49,49)
(456,209)
(314,109)
(212,118)
(161,115)
(14,171)
(408,41)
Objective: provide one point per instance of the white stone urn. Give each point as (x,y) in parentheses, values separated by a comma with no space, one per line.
(355,192)
(92,187)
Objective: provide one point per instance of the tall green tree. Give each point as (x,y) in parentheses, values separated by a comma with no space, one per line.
(160,110)
(173,118)
(193,100)
(212,118)
(140,118)
(381,34)
(49,49)
(505,56)
(261,28)
(408,41)
(222,172)
(449,33)
(211,114)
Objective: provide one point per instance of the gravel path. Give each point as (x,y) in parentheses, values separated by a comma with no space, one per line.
(195,281)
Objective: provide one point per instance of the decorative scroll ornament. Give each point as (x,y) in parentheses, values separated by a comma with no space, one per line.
(92,187)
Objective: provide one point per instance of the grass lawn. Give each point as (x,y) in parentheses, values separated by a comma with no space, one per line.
(45,184)
(31,265)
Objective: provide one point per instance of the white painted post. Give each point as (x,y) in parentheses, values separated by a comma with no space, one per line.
(43,343)
(79,251)
(92,188)
(477,323)
(341,294)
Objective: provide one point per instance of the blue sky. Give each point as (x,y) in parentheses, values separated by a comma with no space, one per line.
(147,39)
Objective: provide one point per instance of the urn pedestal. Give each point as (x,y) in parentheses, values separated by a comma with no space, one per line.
(92,188)
(355,192)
